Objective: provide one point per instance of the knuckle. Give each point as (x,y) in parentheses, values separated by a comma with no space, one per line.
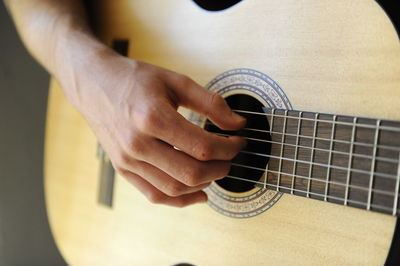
(119,169)
(203,151)
(148,120)
(191,177)
(122,160)
(184,80)
(136,146)
(216,101)
(174,189)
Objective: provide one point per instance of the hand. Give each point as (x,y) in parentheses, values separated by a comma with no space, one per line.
(132,108)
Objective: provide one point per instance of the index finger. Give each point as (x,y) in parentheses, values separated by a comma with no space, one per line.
(175,130)
(193,96)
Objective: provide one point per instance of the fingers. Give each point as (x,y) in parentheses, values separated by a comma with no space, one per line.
(169,159)
(199,99)
(156,196)
(172,128)
(186,169)
(160,180)
(174,163)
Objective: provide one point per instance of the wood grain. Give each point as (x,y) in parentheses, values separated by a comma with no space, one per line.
(328,56)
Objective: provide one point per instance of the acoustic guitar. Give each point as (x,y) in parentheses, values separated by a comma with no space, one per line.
(318,183)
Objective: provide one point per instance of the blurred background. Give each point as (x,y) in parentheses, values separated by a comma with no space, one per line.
(25,237)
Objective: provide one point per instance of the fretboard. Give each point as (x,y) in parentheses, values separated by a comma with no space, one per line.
(340,159)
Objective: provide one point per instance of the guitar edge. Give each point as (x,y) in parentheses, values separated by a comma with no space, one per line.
(318,70)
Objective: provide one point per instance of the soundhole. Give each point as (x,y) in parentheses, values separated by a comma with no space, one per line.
(251,162)
(212,5)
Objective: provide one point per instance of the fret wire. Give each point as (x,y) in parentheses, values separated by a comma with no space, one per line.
(396,194)
(318,138)
(371,178)
(387,128)
(312,155)
(313,193)
(295,153)
(325,139)
(319,149)
(379,191)
(323,165)
(328,171)
(267,166)
(318,164)
(281,152)
(353,135)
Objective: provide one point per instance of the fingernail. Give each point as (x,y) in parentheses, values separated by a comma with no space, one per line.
(239,119)
(204,198)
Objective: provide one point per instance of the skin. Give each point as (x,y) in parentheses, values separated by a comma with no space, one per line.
(164,156)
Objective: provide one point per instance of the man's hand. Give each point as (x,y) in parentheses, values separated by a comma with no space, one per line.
(132,108)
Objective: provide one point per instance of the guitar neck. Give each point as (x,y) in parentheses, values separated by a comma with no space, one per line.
(340,159)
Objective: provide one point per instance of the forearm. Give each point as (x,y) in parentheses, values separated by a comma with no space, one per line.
(121,99)
(57,35)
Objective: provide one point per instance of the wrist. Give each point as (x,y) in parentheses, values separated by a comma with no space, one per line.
(77,54)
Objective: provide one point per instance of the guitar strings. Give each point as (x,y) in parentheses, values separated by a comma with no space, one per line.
(384,147)
(308,162)
(349,169)
(324,139)
(387,128)
(385,159)
(379,191)
(327,181)
(375,206)
(320,149)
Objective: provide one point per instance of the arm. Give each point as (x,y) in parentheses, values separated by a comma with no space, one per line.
(120,98)
(46,27)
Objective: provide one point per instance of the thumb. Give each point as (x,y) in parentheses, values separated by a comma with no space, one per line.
(193,96)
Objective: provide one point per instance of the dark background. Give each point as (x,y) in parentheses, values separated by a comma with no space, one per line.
(25,237)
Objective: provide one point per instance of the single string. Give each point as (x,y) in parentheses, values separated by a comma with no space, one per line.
(387,128)
(369,145)
(375,206)
(379,191)
(314,163)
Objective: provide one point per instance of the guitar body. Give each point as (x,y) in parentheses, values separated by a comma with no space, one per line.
(339,57)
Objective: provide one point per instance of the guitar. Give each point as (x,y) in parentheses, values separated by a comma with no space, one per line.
(318,184)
